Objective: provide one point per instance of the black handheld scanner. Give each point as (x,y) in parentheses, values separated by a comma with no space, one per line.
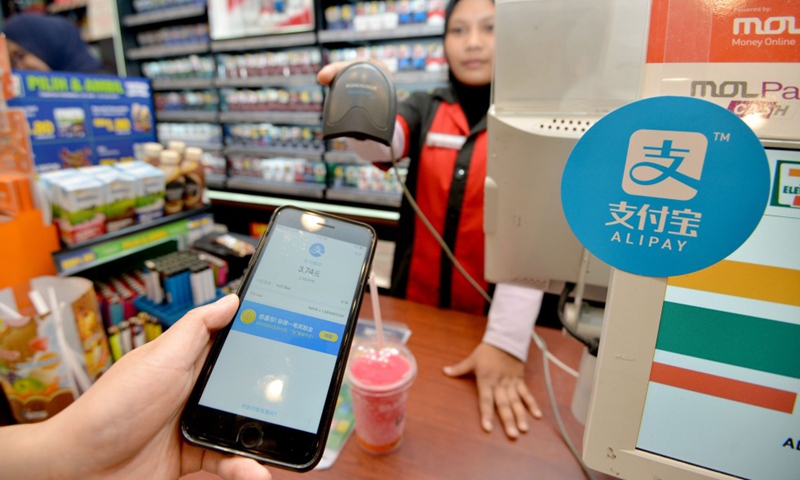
(362,104)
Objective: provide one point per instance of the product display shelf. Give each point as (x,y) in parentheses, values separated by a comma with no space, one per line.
(160,84)
(211,116)
(269,152)
(115,245)
(404,31)
(205,145)
(271,81)
(255,184)
(356,195)
(164,15)
(267,42)
(158,51)
(292,118)
(417,77)
(343,156)
(216,181)
(259,44)
(253,200)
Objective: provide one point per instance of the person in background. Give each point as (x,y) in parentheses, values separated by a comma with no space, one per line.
(128,424)
(444,135)
(48,42)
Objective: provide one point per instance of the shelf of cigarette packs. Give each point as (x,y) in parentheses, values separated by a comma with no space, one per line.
(276,159)
(347,22)
(187,106)
(165,29)
(354,180)
(152,12)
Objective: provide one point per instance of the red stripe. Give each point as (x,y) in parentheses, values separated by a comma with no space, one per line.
(407,135)
(727,388)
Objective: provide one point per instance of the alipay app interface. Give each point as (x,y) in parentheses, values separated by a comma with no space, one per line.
(277,362)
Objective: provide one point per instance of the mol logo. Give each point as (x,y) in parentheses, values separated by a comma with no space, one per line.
(770,26)
(704,88)
(765,102)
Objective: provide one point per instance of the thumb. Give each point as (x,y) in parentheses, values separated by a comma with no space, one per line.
(191,334)
(461,368)
(328,72)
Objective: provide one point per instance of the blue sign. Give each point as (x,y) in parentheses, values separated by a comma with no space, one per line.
(77,119)
(665,186)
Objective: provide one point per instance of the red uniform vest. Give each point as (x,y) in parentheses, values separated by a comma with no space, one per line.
(447,183)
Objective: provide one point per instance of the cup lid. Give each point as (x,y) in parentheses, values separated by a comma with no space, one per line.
(380,370)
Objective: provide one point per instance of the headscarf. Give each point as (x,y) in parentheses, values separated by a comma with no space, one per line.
(474,101)
(54,39)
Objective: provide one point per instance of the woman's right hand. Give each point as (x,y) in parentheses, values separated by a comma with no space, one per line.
(329,71)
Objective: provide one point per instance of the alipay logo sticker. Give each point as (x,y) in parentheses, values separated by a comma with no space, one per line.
(664,164)
(665,186)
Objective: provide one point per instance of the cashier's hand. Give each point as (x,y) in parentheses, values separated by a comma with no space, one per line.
(127,425)
(501,384)
(328,72)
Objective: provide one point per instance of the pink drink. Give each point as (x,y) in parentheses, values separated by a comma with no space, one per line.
(379,382)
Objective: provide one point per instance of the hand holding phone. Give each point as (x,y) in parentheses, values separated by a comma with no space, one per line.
(269,386)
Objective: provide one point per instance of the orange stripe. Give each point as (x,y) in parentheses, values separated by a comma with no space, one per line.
(794,172)
(657,36)
(747,280)
(727,388)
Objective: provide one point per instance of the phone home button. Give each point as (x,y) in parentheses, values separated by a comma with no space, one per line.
(250,435)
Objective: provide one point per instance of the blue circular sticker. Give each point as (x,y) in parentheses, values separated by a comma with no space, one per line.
(665,186)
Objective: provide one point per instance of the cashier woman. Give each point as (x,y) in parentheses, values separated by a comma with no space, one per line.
(446,179)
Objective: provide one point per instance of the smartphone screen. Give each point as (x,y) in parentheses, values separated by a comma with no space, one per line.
(270,388)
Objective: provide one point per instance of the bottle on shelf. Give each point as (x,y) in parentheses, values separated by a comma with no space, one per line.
(152,153)
(177,146)
(176,183)
(194,175)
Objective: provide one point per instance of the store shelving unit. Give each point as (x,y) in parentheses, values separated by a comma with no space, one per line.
(320,38)
(266,152)
(211,116)
(401,32)
(163,16)
(160,51)
(159,84)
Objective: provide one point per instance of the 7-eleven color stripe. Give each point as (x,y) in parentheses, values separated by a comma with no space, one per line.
(740,341)
(727,388)
(795,173)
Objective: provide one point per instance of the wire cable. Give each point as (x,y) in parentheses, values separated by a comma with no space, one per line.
(556,412)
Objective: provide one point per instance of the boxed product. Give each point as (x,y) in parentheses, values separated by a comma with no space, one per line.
(79,204)
(120,195)
(150,189)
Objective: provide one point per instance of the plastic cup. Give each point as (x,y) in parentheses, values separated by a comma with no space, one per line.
(379,380)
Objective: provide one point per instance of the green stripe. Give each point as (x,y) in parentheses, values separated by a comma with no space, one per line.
(740,340)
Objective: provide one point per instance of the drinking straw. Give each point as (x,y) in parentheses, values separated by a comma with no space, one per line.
(376,308)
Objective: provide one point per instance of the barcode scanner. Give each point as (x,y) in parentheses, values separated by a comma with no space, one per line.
(361,103)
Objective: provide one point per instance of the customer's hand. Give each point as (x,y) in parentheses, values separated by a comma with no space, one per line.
(127,425)
(326,75)
(501,384)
